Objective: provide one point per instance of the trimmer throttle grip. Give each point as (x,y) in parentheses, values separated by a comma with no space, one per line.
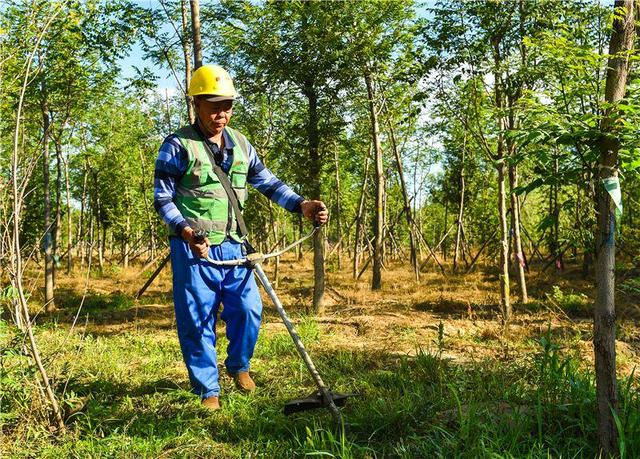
(316,224)
(199,236)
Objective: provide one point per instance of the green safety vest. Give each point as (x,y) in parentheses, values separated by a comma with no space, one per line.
(200,197)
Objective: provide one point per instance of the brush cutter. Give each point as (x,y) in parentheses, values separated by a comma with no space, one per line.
(322,397)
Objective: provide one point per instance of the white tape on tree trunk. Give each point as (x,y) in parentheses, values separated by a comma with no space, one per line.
(612,185)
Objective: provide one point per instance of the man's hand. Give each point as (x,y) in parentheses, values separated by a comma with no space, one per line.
(315,211)
(199,248)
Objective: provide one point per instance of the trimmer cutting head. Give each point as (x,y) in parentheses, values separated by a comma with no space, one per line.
(315,400)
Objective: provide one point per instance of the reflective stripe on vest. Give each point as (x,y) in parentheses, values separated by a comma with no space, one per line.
(200,197)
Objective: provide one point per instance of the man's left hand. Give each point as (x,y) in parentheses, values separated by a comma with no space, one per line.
(316,211)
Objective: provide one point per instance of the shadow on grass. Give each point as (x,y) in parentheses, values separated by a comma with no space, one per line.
(116,390)
(151,312)
(163,407)
(420,406)
(454,309)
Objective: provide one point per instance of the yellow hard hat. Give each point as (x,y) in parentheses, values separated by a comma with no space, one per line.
(212,80)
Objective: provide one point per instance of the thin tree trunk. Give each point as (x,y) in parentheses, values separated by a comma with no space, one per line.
(69,226)
(517,241)
(551,238)
(466,252)
(50,305)
(445,225)
(313,137)
(195,33)
(57,234)
(520,259)
(17,205)
(187,60)
(92,231)
(147,206)
(23,301)
(407,206)
(432,252)
(127,229)
(505,300)
(99,227)
(318,272)
(604,337)
(383,217)
(101,235)
(274,232)
(556,220)
(82,246)
(587,260)
(461,204)
(300,234)
(360,215)
(338,210)
(108,236)
(416,216)
(376,281)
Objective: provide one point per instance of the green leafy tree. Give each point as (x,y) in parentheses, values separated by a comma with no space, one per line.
(299,52)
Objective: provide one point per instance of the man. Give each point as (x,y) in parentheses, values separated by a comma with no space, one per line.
(189,197)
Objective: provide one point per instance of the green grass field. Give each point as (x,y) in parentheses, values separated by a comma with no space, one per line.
(124,391)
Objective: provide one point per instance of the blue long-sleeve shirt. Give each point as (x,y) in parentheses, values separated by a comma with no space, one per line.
(172,163)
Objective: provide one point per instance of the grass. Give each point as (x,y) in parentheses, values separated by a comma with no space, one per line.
(431,383)
(126,396)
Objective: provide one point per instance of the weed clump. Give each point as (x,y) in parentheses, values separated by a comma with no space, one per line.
(574,304)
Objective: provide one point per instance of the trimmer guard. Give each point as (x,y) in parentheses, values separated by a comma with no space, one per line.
(315,400)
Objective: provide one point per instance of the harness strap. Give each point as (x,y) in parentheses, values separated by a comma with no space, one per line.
(228,188)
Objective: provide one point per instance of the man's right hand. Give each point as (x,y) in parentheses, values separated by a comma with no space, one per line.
(316,211)
(199,248)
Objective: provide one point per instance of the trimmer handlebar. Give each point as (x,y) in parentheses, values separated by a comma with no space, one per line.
(252,258)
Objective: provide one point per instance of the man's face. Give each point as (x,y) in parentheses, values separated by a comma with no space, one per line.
(214,115)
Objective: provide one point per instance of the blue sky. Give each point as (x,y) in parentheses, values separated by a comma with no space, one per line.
(165,78)
(135,57)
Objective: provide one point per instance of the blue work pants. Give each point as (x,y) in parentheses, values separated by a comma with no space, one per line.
(198,289)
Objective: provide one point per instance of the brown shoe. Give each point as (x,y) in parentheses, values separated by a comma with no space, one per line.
(244,382)
(212,403)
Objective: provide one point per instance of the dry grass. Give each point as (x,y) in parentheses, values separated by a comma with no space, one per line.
(401,318)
